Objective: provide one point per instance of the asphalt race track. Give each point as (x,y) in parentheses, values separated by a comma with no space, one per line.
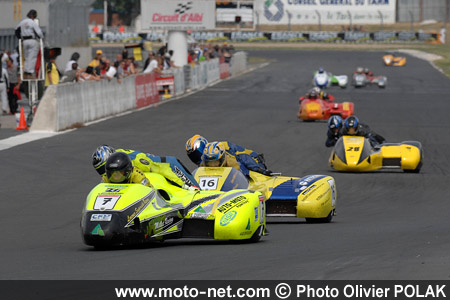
(389,225)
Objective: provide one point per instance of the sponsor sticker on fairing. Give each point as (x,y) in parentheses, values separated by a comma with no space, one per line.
(227,218)
(101,217)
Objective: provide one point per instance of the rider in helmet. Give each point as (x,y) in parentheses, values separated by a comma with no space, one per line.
(359,70)
(220,154)
(100,156)
(324,96)
(334,130)
(321,70)
(352,126)
(194,148)
(368,72)
(313,94)
(169,167)
(214,155)
(120,169)
(250,159)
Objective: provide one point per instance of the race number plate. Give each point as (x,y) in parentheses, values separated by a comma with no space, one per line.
(209,183)
(104,202)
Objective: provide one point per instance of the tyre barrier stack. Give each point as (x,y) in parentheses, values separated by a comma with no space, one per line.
(72,105)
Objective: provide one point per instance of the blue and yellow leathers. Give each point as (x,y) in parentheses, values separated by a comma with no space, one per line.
(241,159)
(168,166)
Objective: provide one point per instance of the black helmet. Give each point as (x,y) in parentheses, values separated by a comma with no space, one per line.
(119,168)
(352,122)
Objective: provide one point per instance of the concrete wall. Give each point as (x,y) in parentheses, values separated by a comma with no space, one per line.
(66,105)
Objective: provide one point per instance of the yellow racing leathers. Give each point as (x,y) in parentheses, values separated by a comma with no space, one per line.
(137,176)
(168,166)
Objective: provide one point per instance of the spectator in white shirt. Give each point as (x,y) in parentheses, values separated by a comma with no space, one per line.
(153,65)
(112,71)
(73,59)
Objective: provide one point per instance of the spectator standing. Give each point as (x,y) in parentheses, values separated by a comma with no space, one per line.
(120,68)
(4,58)
(125,54)
(167,61)
(105,68)
(51,72)
(96,61)
(71,75)
(73,59)
(30,31)
(131,66)
(15,57)
(112,71)
(14,84)
(4,83)
(153,64)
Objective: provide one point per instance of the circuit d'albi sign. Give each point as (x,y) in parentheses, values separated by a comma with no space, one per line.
(178,18)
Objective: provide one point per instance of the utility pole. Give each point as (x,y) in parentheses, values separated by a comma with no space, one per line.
(320,23)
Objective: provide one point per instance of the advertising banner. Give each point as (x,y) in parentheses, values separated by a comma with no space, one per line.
(178,14)
(329,12)
(146,90)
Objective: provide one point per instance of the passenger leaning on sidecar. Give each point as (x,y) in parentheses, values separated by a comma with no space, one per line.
(334,132)
(250,159)
(352,126)
(169,167)
(215,155)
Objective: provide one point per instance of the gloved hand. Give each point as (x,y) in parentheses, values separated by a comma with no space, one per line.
(190,187)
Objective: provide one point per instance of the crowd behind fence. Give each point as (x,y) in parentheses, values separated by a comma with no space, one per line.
(66,105)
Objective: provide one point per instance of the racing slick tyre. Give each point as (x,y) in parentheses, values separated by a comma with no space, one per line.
(257,235)
(327,219)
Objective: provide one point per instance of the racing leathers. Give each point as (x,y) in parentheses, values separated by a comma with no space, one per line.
(365,131)
(137,176)
(243,159)
(332,137)
(168,166)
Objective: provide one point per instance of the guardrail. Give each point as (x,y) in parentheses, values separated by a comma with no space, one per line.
(73,104)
